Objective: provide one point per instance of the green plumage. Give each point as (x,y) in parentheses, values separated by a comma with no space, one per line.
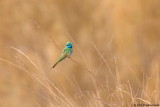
(67,51)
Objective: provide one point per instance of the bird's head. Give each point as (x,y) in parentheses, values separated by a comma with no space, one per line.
(69,45)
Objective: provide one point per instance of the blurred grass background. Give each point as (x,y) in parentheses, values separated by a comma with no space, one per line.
(116,54)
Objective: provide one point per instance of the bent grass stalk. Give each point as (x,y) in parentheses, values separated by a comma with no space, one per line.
(33,76)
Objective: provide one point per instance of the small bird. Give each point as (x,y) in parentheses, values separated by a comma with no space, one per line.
(67,51)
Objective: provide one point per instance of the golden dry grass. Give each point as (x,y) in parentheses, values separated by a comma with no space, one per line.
(116,55)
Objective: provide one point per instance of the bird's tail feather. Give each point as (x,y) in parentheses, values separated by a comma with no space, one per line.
(55,64)
(59,61)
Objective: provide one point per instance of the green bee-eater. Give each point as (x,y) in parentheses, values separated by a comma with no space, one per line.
(67,51)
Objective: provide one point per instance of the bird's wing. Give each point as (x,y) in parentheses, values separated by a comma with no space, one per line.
(65,54)
(66,50)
